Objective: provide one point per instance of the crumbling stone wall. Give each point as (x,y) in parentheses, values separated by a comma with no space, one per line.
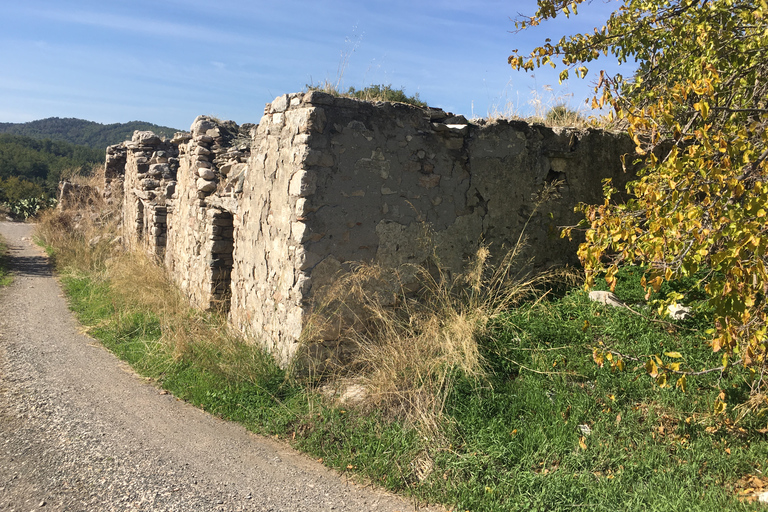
(200,230)
(259,218)
(146,167)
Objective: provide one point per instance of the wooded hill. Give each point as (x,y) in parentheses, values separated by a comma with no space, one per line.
(31,167)
(82,132)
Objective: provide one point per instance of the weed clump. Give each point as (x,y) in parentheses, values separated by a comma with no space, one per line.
(374,92)
(413,331)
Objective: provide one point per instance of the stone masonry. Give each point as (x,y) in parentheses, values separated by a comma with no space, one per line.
(255,219)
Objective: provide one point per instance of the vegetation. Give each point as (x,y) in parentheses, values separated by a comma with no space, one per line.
(31,168)
(29,206)
(556,411)
(697,111)
(5,276)
(81,132)
(371,93)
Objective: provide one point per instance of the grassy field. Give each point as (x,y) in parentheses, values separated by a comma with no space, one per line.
(561,414)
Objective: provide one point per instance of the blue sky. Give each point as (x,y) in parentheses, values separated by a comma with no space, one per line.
(167,61)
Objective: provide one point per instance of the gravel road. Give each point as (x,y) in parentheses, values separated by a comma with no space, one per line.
(79,431)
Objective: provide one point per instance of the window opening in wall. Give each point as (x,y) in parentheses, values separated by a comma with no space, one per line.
(221,260)
(140,219)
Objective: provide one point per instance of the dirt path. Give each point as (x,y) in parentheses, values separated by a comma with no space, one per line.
(80,432)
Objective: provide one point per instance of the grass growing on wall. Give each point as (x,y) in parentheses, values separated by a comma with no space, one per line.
(547,421)
(374,92)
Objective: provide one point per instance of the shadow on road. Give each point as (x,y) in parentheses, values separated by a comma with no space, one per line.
(38,266)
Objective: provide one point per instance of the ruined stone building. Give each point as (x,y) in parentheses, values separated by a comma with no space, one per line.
(254,219)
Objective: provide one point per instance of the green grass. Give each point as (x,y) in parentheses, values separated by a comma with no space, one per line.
(518,439)
(5,275)
(510,442)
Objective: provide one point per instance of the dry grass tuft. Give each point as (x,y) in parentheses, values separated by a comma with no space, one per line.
(550,109)
(407,348)
(82,232)
(407,334)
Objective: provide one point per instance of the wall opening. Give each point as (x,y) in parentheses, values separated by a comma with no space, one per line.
(140,220)
(222,236)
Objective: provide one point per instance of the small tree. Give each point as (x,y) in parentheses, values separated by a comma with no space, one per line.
(697,111)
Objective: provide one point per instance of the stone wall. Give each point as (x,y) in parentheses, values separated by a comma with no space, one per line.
(256,219)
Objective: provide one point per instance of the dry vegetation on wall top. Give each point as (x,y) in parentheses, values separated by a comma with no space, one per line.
(554,113)
(370,93)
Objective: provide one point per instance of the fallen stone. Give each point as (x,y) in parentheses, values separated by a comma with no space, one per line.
(606,298)
(678,312)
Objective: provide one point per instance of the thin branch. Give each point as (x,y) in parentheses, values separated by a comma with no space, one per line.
(679,372)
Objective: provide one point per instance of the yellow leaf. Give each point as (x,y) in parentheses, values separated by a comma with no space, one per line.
(674,355)
(662,380)
(720,407)
(597,356)
(651,368)
(582,443)
(682,384)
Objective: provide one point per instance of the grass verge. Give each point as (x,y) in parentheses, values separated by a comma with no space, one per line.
(5,275)
(556,420)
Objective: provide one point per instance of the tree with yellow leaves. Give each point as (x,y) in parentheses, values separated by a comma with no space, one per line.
(697,109)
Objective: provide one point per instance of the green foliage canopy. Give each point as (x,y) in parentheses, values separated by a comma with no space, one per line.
(696,109)
(30,167)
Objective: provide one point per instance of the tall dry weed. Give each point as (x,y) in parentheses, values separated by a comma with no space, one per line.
(82,233)
(407,334)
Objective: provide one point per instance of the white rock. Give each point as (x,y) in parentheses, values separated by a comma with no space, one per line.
(678,312)
(607,298)
(354,394)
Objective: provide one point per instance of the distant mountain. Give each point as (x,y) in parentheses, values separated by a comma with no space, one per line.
(82,132)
